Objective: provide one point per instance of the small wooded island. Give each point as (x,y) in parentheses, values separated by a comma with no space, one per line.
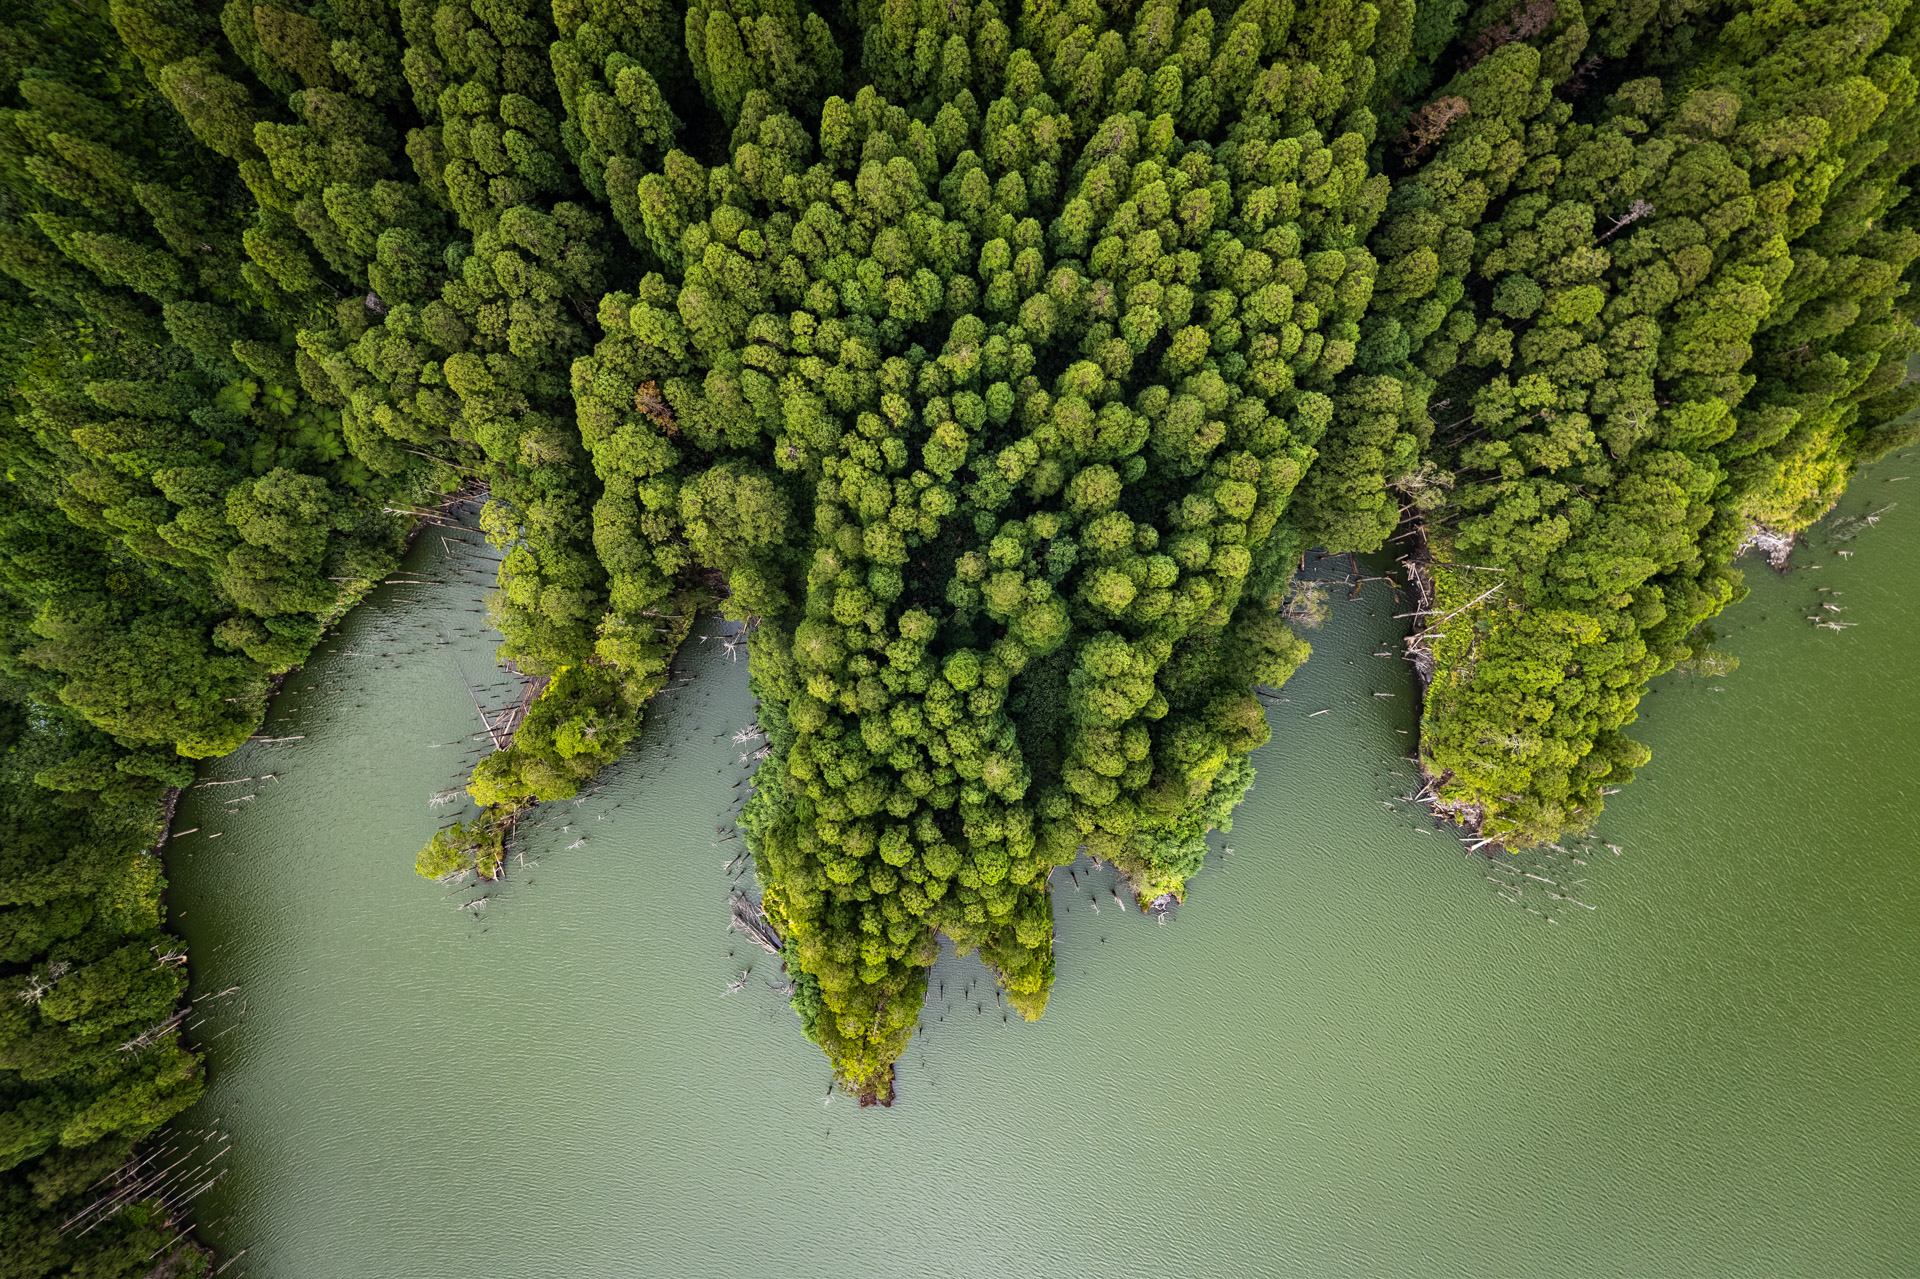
(993,367)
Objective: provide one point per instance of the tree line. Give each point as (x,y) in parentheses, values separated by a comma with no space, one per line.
(994,366)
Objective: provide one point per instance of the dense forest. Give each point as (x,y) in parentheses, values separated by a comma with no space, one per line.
(993,366)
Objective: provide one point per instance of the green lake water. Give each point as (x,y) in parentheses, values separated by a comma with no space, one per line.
(1347,1053)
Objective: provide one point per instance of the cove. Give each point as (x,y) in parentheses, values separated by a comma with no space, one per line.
(1346,1053)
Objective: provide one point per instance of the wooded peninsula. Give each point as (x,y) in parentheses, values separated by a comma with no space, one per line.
(993,366)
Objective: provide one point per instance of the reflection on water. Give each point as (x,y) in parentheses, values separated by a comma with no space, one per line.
(1357,1048)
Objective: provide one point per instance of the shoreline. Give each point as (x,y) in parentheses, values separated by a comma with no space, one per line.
(351,598)
(1419,654)
(1774,546)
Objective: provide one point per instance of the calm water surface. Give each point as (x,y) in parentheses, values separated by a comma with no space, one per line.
(1348,1053)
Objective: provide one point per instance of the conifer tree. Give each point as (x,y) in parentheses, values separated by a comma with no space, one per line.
(1600,351)
(780,47)
(1045,378)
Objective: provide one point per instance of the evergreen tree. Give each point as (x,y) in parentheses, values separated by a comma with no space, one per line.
(1602,350)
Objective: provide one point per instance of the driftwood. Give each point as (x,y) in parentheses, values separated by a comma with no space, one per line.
(1776,546)
(486,721)
(1497,586)
(150,1036)
(509,721)
(501,725)
(172,1183)
(749,919)
(1418,651)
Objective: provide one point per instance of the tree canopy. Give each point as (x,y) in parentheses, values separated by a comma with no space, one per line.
(992,366)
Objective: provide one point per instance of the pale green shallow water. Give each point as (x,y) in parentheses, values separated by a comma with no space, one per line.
(1345,1055)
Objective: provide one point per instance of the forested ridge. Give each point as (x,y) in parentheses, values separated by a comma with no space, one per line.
(995,366)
